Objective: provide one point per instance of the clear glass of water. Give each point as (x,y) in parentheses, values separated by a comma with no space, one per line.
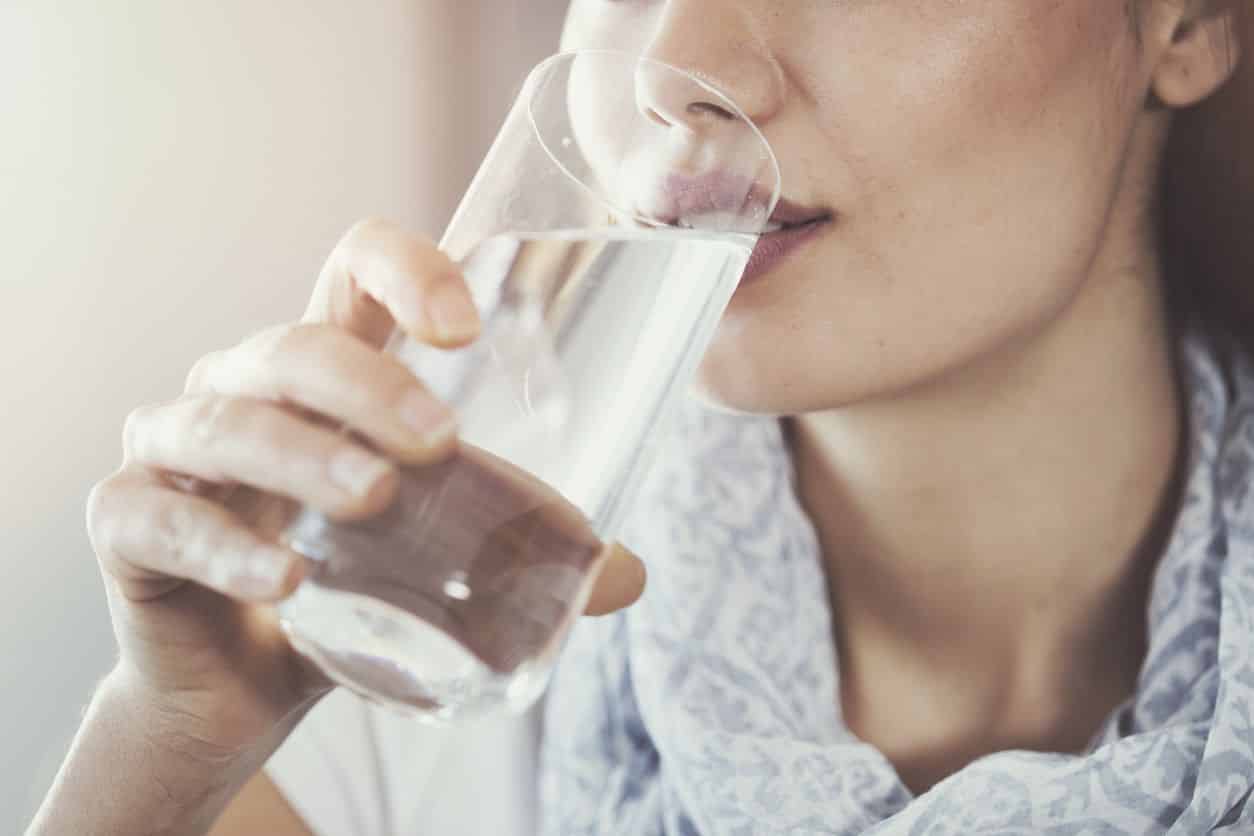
(602,239)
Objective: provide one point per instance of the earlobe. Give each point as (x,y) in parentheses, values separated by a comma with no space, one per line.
(1199,58)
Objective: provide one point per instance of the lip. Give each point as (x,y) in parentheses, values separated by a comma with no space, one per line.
(724,199)
(684,196)
(726,202)
(773,247)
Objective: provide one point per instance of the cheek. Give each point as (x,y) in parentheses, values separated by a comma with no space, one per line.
(993,165)
(973,159)
(966,91)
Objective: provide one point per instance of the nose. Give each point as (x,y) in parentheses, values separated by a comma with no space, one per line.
(714,41)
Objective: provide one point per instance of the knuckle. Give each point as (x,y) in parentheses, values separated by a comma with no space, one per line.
(367,235)
(415,255)
(274,345)
(99,511)
(366,230)
(276,440)
(135,429)
(199,375)
(214,419)
(165,533)
(177,532)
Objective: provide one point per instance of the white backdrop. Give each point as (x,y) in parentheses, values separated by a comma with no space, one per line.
(172,176)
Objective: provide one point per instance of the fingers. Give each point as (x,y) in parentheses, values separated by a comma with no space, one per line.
(150,538)
(619,583)
(377,273)
(247,441)
(328,371)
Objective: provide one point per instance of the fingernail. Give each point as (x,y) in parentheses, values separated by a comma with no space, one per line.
(452,315)
(433,422)
(356,471)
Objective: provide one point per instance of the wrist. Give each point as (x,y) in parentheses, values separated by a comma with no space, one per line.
(175,732)
(172,734)
(137,768)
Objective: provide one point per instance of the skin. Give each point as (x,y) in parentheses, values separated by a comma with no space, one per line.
(207,686)
(974,361)
(974,356)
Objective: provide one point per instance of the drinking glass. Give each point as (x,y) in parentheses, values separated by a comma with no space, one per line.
(602,239)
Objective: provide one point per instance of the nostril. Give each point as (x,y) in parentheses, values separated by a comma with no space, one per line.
(654,116)
(694,112)
(677,98)
(710,108)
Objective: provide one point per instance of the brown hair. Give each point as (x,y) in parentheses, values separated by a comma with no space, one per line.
(1208,197)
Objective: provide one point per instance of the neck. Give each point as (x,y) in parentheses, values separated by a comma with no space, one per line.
(998,527)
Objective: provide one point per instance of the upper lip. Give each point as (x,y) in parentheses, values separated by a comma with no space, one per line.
(683,198)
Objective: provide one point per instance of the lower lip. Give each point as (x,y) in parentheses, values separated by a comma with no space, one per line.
(774,247)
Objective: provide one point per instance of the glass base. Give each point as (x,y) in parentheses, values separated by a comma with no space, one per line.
(397,660)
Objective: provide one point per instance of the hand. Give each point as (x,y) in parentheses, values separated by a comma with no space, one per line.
(186,529)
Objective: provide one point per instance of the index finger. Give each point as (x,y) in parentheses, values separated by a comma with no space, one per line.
(379,276)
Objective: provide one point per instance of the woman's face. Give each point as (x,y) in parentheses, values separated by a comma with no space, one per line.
(969,153)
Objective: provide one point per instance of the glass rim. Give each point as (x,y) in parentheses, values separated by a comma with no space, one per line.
(542,69)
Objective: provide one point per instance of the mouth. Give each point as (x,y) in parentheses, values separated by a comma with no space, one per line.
(718,202)
(791,227)
(789,216)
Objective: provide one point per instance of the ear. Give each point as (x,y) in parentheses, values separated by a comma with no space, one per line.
(1198,47)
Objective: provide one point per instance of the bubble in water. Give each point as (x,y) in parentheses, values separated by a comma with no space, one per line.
(456,587)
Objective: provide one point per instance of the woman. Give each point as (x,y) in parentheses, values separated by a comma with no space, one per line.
(1003,513)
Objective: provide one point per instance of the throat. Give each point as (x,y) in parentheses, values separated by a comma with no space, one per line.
(954,644)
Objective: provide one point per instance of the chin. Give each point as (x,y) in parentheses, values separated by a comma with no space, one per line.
(777,375)
(745,392)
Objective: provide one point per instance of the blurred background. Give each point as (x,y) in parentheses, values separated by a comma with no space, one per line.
(173,176)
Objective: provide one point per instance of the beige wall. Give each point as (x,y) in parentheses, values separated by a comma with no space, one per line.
(172,175)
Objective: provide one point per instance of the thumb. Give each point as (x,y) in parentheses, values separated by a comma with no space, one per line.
(378,276)
(619,582)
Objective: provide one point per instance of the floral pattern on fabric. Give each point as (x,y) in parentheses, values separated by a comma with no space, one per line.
(712,706)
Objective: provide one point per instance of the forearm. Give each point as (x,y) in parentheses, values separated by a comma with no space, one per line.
(129,772)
